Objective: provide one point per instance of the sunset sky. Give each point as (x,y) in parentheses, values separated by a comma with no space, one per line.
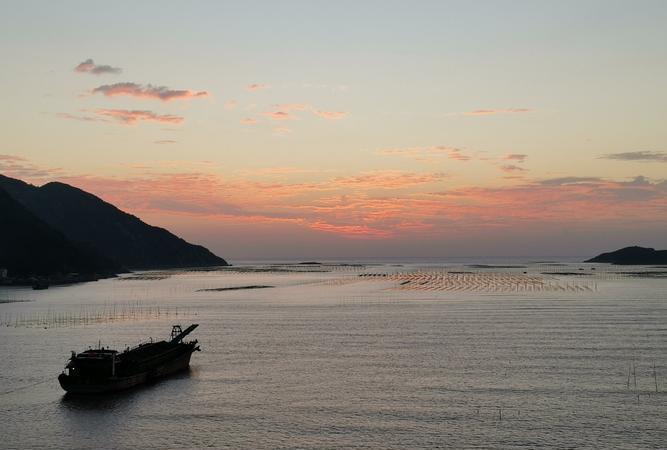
(350,128)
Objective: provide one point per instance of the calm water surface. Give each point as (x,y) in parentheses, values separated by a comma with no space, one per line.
(326,361)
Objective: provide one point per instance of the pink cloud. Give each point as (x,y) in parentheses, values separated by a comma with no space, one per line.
(256,87)
(89,66)
(344,206)
(131,117)
(518,157)
(248,121)
(511,168)
(292,107)
(493,112)
(330,115)
(20,167)
(279,115)
(428,154)
(452,153)
(284,111)
(124,116)
(147,92)
(371,205)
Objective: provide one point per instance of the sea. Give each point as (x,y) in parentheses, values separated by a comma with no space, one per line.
(364,354)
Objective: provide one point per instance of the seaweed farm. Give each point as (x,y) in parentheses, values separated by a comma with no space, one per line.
(88,315)
(479,282)
(388,355)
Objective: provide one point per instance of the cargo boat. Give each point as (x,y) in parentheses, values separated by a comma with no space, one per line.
(103,370)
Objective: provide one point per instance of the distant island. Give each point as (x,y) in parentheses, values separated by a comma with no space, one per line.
(58,233)
(632,256)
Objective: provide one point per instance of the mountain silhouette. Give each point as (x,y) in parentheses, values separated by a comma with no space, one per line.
(30,247)
(88,220)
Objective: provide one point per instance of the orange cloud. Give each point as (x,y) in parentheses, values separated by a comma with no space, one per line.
(493,112)
(248,121)
(147,92)
(131,117)
(372,205)
(388,179)
(353,231)
(344,206)
(273,171)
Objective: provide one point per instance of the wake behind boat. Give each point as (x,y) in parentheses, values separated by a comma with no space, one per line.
(103,370)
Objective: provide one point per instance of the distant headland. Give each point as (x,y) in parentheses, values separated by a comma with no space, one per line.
(632,256)
(57,234)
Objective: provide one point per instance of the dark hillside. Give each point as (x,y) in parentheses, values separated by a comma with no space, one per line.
(29,247)
(85,218)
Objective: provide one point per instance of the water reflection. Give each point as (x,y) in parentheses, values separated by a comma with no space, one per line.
(321,361)
(115,401)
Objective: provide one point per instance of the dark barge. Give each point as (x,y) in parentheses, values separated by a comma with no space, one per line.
(103,370)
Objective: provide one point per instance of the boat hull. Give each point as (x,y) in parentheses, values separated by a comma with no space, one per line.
(76,385)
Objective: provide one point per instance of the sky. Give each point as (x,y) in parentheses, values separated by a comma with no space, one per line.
(312,129)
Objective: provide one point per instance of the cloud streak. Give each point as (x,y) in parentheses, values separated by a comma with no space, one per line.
(148,91)
(286,111)
(494,112)
(281,131)
(130,117)
(68,116)
(254,87)
(20,167)
(388,179)
(292,107)
(427,154)
(518,157)
(89,66)
(124,116)
(330,115)
(279,115)
(641,156)
(512,168)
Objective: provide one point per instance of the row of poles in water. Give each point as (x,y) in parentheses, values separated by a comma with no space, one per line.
(91,315)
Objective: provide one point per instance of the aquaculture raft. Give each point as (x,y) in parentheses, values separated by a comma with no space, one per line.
(104,370)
